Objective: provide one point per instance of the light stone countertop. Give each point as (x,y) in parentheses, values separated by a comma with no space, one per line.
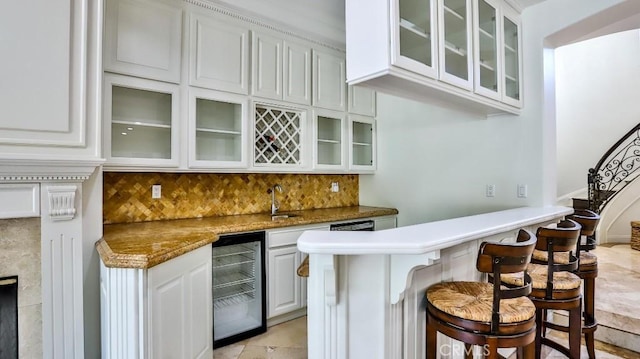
(427,237)
(146,244)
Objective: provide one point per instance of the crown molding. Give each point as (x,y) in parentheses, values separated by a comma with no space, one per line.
(14,170)
(246,15)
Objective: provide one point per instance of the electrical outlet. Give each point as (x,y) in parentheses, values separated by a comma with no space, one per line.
(522,191)
(491,190)
(335,187)
(156,191)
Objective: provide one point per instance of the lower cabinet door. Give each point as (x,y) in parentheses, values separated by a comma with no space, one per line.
(284,283)
(180,319)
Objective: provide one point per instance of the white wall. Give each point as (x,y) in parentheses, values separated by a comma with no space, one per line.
(597,87)
(434,162)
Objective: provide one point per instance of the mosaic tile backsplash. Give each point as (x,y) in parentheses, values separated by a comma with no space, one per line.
(127,196)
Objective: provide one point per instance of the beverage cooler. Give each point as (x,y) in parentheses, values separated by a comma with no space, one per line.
(239,288)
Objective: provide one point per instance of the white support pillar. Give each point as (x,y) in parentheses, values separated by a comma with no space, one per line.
(62,303)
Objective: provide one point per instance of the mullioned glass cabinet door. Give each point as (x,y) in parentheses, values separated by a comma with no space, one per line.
(488,64)
(455,42)
(218,125)
(415,38)
(512,59)
(140,122)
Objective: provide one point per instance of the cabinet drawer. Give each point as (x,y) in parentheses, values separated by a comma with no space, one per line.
(290,237)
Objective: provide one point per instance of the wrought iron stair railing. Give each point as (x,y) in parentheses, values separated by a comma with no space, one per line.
(616,169)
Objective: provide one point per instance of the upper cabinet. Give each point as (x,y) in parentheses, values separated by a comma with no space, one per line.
(362,143)
(454,19)
(488,67)
(280,133)
(217,129)
(362,101)
(497,50)
(193,87)
(414,38)
(218,53)
(281,69)
(143,38)
(140,122)
(444,51)
(329,80)
(512,60)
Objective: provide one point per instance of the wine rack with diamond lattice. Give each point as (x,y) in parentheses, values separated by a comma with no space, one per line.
(278,136)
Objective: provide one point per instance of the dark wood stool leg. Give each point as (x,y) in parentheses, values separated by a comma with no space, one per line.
(491,348)
(527,352)
(590,323)
(575,321)
(432,341)
(539,330)
(468,351)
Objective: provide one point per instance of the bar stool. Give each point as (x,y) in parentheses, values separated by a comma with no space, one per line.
(555,286)
(588,271)
(487,314)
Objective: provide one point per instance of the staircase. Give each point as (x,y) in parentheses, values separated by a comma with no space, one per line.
(618,167)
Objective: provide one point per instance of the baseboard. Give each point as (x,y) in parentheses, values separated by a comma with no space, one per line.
(618,238)
(287,317)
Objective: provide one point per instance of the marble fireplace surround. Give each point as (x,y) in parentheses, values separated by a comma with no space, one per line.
(52,192)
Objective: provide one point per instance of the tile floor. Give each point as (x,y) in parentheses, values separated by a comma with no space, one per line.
(617,304)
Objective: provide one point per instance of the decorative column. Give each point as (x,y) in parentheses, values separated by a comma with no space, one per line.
(62,303)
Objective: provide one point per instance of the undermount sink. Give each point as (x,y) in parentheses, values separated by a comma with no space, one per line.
(277,216)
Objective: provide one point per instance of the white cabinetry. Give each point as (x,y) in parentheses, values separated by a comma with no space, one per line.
(329,133)
(180,317)
(497,52)
(48,85)
(287,291)
(218,129)
(381,223)
(281,69)
(280,136)
(143,38)
(488,64)
(454,34)
(140,122)
(512,60)
(362,143)
(362,101)
(430,55)
(161,312)
(218,53)
(329,75)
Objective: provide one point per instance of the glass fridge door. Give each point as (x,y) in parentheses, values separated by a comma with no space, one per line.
(238,288)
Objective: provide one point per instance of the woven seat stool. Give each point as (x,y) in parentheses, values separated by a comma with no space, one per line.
(555,286)
(486,314)
(588,271)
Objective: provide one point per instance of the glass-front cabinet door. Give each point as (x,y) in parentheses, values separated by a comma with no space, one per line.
(218,126)
(362,140)
(414,36)
(488,64)
(512,38)
(140,122)
(329,134)
(455,42)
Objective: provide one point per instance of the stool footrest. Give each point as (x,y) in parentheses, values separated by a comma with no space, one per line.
(555,345)
(554,326)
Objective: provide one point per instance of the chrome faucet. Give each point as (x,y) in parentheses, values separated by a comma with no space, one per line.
(275,205)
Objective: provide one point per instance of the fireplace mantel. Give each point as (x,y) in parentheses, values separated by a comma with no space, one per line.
(52,190)
(25,170)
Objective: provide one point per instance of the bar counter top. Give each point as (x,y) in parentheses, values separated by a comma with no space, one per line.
(147,244)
